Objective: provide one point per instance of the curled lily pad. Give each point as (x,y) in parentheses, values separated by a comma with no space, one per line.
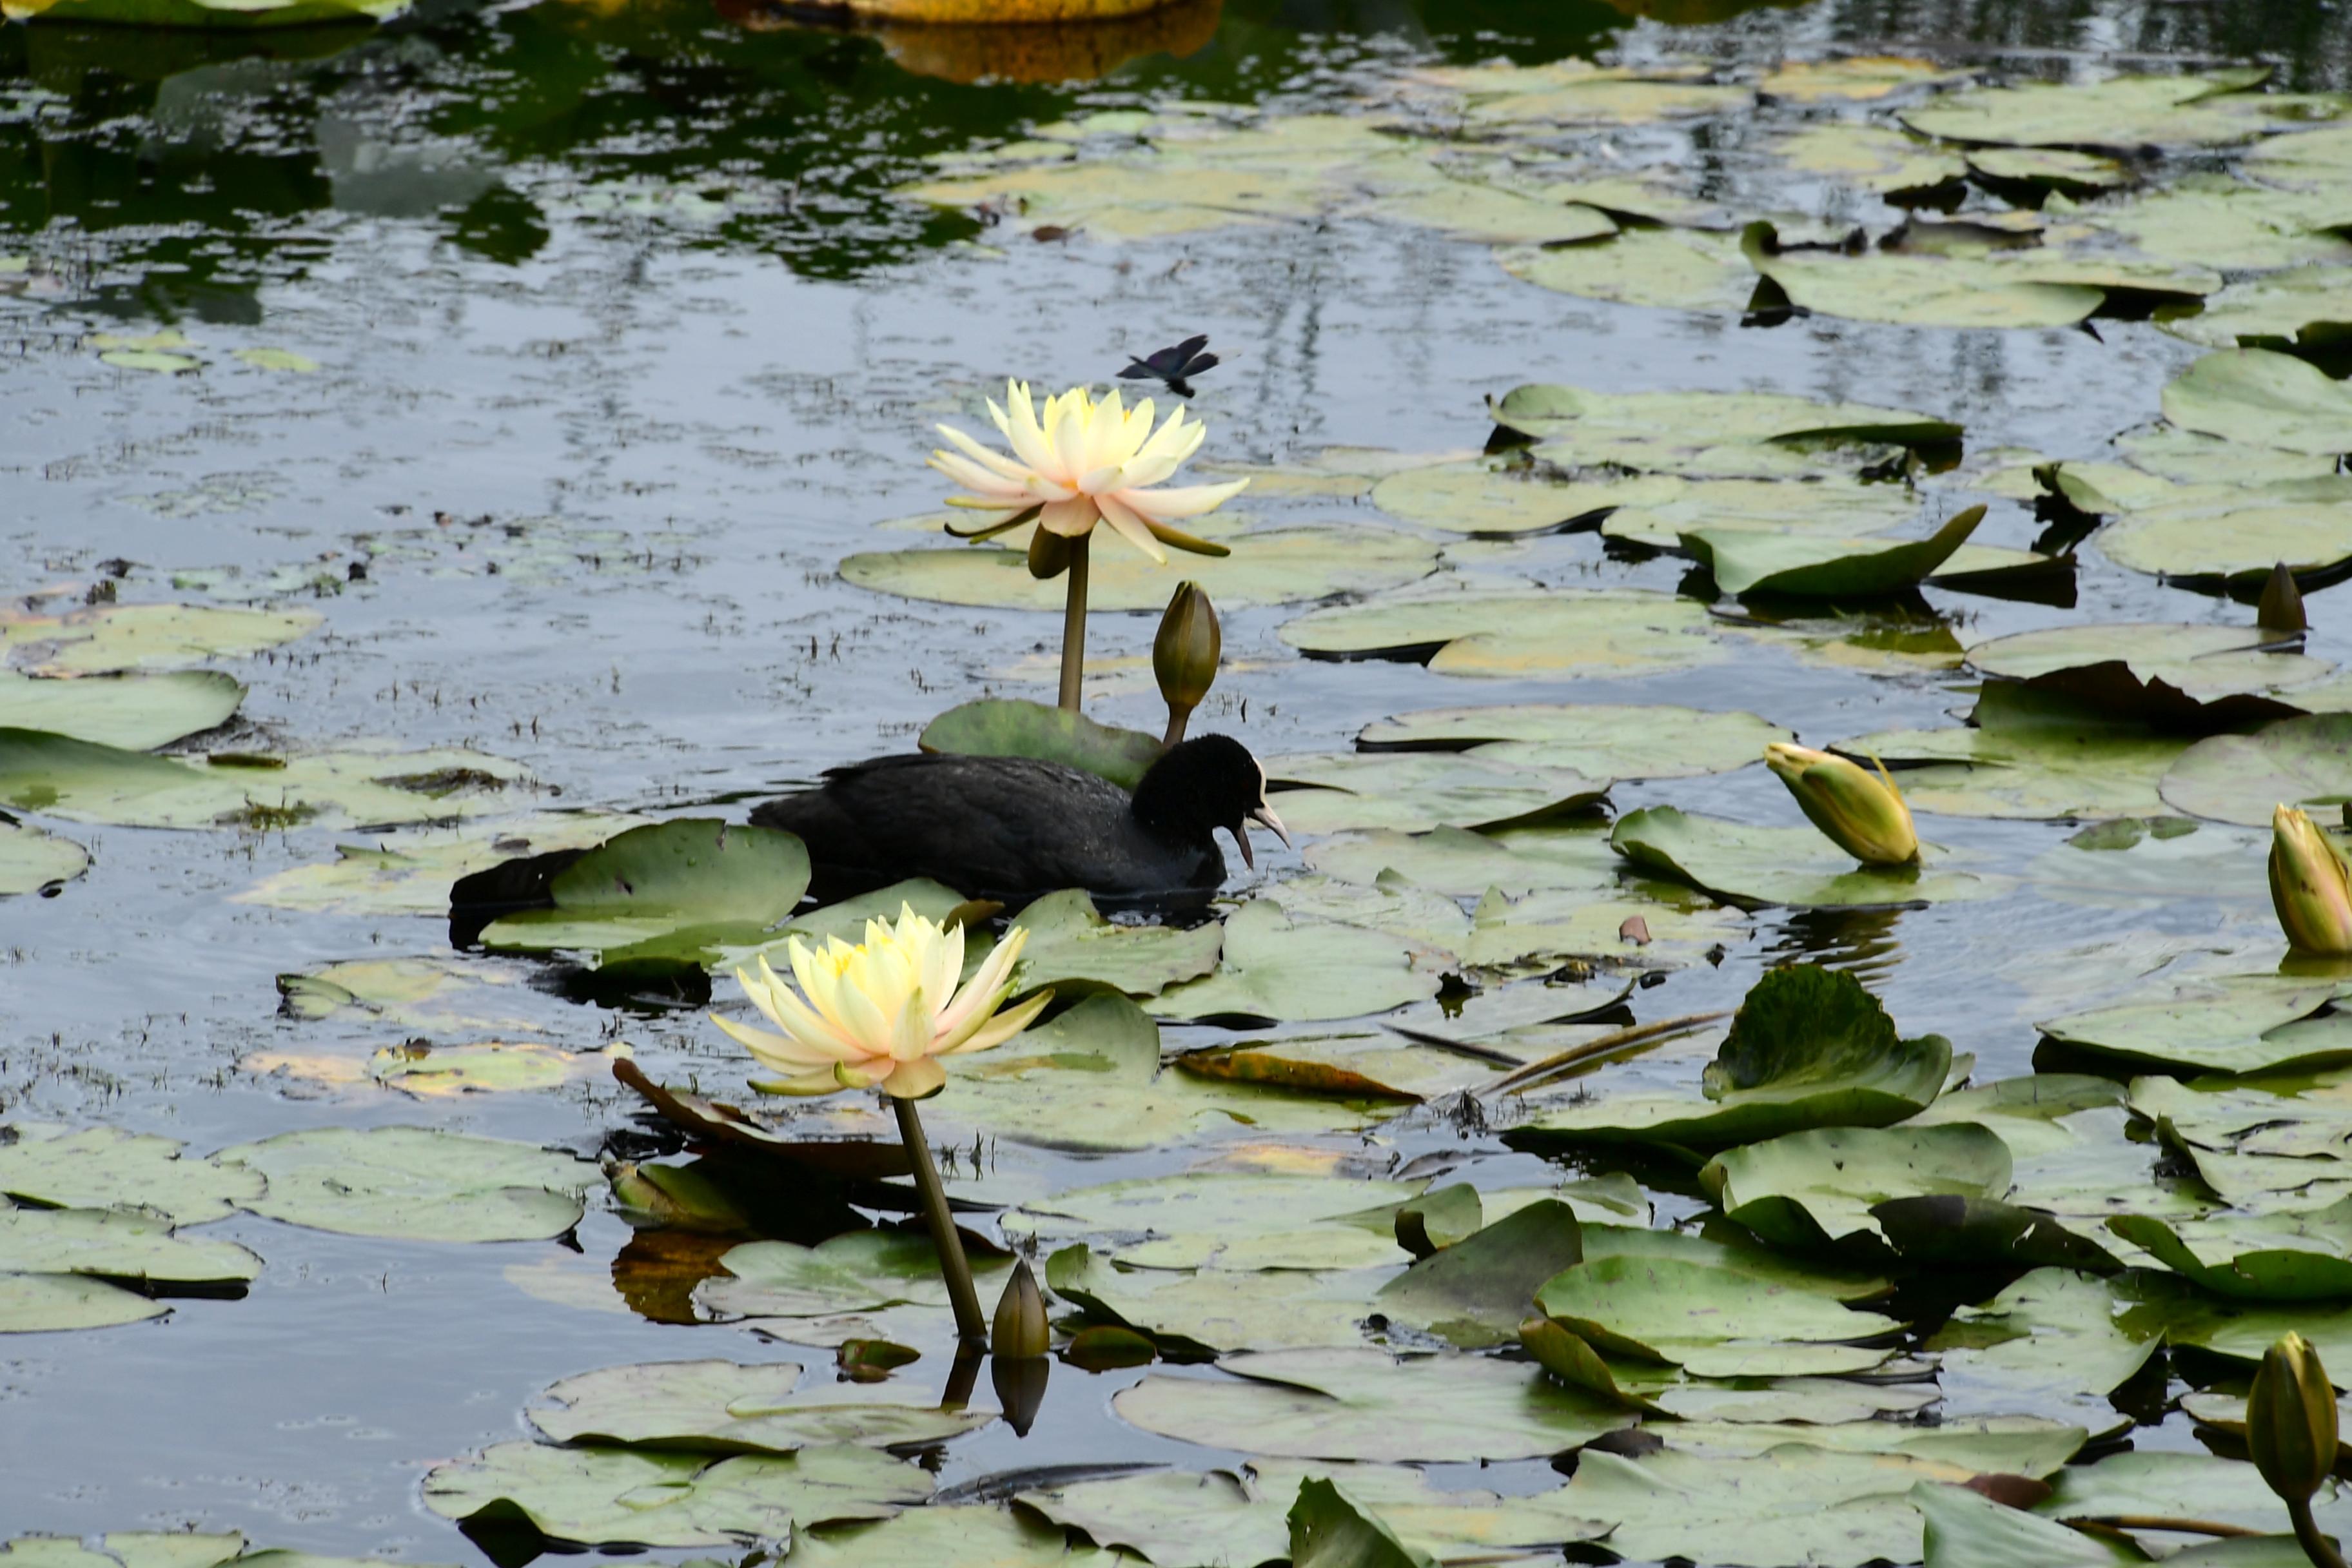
(106,637)
(1746,561)
(32,860)
(2196,1486)
(1477,1291)
(1817,1188)
(136,713)
(1075,950)
(2302,761)
(1966,1529)
(415,1184)
(1274,967)
(1605,633)
(689,885)
(117,1243)
(2204,662)
(1758,866)
(1602,739)
(1001,727)
(2298,1257)
(723,1408)
(2261,399)
(1414,793)
(105,1167)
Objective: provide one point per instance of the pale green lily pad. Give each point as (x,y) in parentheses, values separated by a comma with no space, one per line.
(105,1167)
(1476,1292)
(2125,112)
(85,781)
(1686,422)
(687,885)
(2056,1342)
(2266,1145)
(1662,511)
(2235,539)
(44,1303)
(608,1496)
(2186,456)
(1746,561)
(1274,967)
(2219,219)
(117,1243)
(1414,793)
(2305,762)
(929,1537)
(2071,173)
(287,360)
(1815,1189)
(1667,268)
(2015,289)
(136,713)
(2184,1485)
(2034,773)
(1758,866)
(1330,1529)
(2305,308)
(1075,950)
(1612,634)
(1876,159)
(2262,399)
(2003,1445)
(2301,1256)
(107,637)
(2225,1024)
(1197,1314)
(432,1071)
(856,1271)
(1268,566)
(1966,1529)
(2205,661)
(1001,727)
(1791,1508)
(1601,740)
(410,873)
(1455,861)
(31,860)
(415,1184)
(1363,1405)
(1491,215)
(1226,1219)
(1489,497)
(1390,902)
(2122,864)
(1850,79)
(725,1407)
(427,996)
(1711,1321)
(1670,927)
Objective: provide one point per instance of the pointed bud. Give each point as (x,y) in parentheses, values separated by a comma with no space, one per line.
(1862,814)
(1184,654)
(2291,1420)
(1021,1329)
(2310,887)
(1049,555)
(2280,609)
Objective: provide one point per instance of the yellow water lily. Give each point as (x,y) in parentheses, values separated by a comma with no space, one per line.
(1086,460)
(880,1014)
(2310,887)
(1864,817)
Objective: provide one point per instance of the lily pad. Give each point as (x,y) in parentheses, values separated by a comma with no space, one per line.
(2234,539)
(32,860)
(410,874)
(1794,1507)
(724,1407)
(1274,968)
(1229,1219)
(104,1167)
(1886,162)
(1611,633)
(1607,741)
(1746,561)
(1199,1314)
(103,639)
(2300,1256)
(2070,174)
(926,1537)
(44,1303)
(1689,421)
(2012,288)
(1667,268)
(2055,1341)
(1414,793)
(2262,399)
(2204,662)
(1455,861)
(1390,903)
(1664,513)
(1760,866)
(1001,727)
(686,885)
(2305,762)
(2182,1485)
(2265,1145)
(117,1243)
(415,1184)
(2305,308)
(1659,932)
(856,1271)
(2125,112)
(1476,1292)
(1817,1188)
(136,713)
(1075,950)
(1489,497)
(1711,1321)
(2225,1024)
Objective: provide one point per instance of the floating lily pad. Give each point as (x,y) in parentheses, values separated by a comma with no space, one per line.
(2125,112)
(1653,932)
(1390,902)
(2181,1485)
(102,639)
(1815,1189)
(1491,496)
(1492,214)
(136,713)
(1759,867)
(1711,1321)
(415,1184)
(1600,740)
(1363,1405)
(2225,1024)
(1663,512)
(2055,1341)
(104,1167)
(1197,1314)
(410,874)
(1747,561)
(1414,793)
(44,1303)
(1602,634)
(2223,220)
(1074,948)
(1476,1292)
(856,1271)
(2307,307)
(2204,662)
(1001,727)
(117,1243)
(2305,762)
(1791,1508)
(2035,772)
(1956,1228)
(686,885)
(1686,421)
(31,860)
(2013,288)
(724,1407)
(1274,967)
(1667,268)
(924,1537)
(2299,1257)
(1872,157)
(2266,1145)
(2072,174)
(1228,1219)
(1456,861)
(2234,539)
(2262,399)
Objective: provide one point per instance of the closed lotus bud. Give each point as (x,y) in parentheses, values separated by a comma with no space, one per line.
(1863,816)
(2309,887)
(2291,1420)
(1021,1329)
(1184,654)
(2280,609)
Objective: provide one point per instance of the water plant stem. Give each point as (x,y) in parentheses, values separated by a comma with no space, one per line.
(1177,719)
(2315,1546)
(1073,625)
(953,1265)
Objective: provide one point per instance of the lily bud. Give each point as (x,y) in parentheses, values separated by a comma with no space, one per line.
(1021,1329)
(1184,654)
(1863,815)
(2280,609)
(2291,1420)
(2309,886)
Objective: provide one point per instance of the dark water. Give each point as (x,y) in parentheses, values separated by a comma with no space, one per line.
(614,299)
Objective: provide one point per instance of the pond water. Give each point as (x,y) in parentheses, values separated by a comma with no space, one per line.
(619,342)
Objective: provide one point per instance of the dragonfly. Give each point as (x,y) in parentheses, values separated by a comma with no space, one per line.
(1172,365)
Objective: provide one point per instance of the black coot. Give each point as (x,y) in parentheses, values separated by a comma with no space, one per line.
(1013,827)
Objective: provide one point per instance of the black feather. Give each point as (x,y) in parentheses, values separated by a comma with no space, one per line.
(1172,365)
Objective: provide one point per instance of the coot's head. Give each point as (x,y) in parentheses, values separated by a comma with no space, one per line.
(1202,784)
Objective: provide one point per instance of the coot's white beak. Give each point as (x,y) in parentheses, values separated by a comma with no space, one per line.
(1263,815)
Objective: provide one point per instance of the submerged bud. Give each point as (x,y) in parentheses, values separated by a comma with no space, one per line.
(2291,1420)
(1184,654)
(1021,1329)
(1863,816)
(2309,886)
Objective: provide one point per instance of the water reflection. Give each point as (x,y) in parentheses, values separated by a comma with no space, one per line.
(1069,52)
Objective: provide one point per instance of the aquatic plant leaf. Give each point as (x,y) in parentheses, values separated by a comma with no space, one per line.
(1489,497)
(1475,1292)
(2016,289)
(31,860)
(2223,1023)
(1364,1405)
(2215,219)
(927,1537)
(724,1407)
(1196,1315)
(117,1243)
(415,1184)
(856,1271)
(2183,1485)
(2302,1256)
(2056,1341)
(2002,1445)
(1330,1529)
(2302,309)
(136,713)
(1226,1219)
(2261,399)
(693,884)
(1277,968)
(1817,1188)
(1856,79)
(1006,727)
(1748,561)
(501,1067)
(1791,1508)
(1268,566)
(2203,661)
(1603,634)
(1075,950)
(2055,168)
(1455,861)
(2123,112)
(1414,793)
(1611,740)
(411,874)
(102,639)
(1711,1321)
(1759,867)
(2304,762)
(1490,213)
(1388,903)
(1661,512)
(1966,1529)
(44,1303)
(1878,160)
(2234,539)
(1667,268)
(1669,927)
(58,1166)
(1687,422)
(2266,1144)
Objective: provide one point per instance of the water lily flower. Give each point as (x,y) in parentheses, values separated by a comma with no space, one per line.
(880,1014)
(2291,1419)
(1082,460)
(2309,886)
(1864,817)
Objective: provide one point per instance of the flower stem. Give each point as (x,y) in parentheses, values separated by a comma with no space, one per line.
(953,1265)
(2315,1546)
(1073,625)
(1177,719)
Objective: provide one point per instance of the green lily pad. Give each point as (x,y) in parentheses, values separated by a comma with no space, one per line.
(2265,1145)
(687,886)
(2204,662)
(136,713)
(2015,289)
(2216,219)
(723,1408)
(410,874)
(1364,1405)
(2305,307)
(2305,762)
(103,639)
(1666,269)
(1956,1228)
(2261,399)
(2300,1256)
(1268,566)
(2180,1485)
(856,1271)
(1664,513)
(1759,867)
(1816,1189)
(2002,1445)
(1611,633)
(1748,561)
(1227,1219)
(1199,1314)
(1711,1321)
(1330,1529)
(2125,112)
(1489,497)
(1491,215)
(1075,950)
(2056,1341)
(44,1303)
(1274,967)
(1686,422)
(1388,903)
(1654,932)
(608,1497)
(1611,740)
(2034,772)
(104,1167)
(31,860)
(1455,861)
(1414,793)
(415,1184)
(117,1243)
(2053,168)
(2234,539)
(928,1537)
(1003,727)
(2225,1024)
(1476,1292)
(1966,1529)
(1872,157)
(1791,1508)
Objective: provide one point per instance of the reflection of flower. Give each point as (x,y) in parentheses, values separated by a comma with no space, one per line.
(1863,816)
(2309,887)
(1081,459)
(879,1015)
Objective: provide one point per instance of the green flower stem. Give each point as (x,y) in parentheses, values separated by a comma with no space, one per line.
(953,1265)
(1073,625)
(2315,1546)
(1177,719)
